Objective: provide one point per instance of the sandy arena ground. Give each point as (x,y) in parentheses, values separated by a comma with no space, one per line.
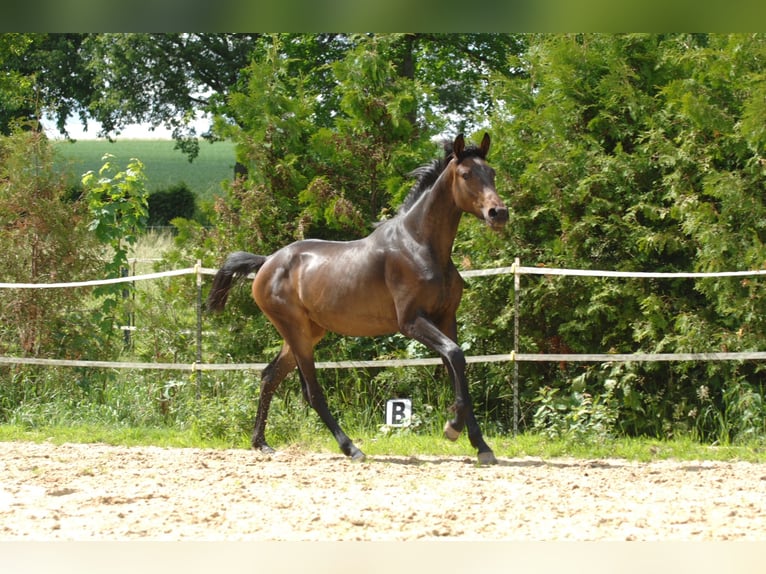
(93,492)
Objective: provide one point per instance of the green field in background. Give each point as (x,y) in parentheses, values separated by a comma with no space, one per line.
(164,166)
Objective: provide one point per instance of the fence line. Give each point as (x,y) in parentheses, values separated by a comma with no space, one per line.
(633,274)
(202,367)
(514,357)
(96,282)
(511,270)
(386,363)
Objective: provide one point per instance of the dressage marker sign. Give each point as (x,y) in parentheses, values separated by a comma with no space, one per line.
(398,412)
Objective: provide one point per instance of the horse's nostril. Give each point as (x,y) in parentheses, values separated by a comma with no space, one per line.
(499,214)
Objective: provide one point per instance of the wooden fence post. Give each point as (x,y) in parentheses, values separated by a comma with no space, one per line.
(516,289)
(198,270)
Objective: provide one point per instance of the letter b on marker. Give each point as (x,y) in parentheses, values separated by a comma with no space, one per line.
(398,412)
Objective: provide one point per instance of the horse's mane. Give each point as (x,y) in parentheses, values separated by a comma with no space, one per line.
(426,175)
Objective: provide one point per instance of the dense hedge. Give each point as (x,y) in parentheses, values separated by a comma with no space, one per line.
(167,204)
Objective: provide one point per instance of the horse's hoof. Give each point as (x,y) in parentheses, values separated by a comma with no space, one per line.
(358,456)
(450,432)
(486,458)
(264,448)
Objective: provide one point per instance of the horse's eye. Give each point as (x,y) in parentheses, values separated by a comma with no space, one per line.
(466,175)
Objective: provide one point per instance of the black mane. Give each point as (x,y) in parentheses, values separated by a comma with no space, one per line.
(426,175)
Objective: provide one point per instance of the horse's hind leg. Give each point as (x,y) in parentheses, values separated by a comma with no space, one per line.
(319,404)
(315,397)
(271,377)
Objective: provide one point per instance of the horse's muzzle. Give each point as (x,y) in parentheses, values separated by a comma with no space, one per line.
(497,216)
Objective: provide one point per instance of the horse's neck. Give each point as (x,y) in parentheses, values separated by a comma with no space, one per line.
(434,220)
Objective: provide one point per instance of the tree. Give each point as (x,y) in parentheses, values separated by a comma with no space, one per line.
(42,73)
(458,69)
(44,234)
(15,85)
(169,79)
(641,152)
(163,79)
(312,180)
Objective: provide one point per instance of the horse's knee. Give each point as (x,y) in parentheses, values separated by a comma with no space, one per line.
(271,372)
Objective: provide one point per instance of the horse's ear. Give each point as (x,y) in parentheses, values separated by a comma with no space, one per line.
(458,146)
(484,145)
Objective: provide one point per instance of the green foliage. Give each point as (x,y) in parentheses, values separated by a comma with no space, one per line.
(15,84)
(117,204)
(262,209)
(41,73)
(578,417)
(306,180)
(165,205)
(170,79)
(640,152)
(45,239)
(613,151)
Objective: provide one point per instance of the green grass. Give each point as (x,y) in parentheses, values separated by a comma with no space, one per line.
(164,166)
(525,445)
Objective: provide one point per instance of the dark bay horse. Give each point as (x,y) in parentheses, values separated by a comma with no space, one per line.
(399,278)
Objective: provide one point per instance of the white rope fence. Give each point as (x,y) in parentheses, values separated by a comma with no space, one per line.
(386,363)
(521,270)
(634,274)
(515,357)
(96,282)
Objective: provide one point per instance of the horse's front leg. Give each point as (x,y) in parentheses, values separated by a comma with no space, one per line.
(426,332)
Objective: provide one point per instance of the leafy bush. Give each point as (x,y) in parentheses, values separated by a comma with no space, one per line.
(641,152)
(118,208)
(167,204)
(44,237)
(578,416)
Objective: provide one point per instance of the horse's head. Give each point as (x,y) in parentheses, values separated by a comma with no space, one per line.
(474,183)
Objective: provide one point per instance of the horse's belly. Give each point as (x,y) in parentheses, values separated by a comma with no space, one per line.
(355,321)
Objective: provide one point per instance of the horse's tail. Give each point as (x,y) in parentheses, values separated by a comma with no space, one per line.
(237,266)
